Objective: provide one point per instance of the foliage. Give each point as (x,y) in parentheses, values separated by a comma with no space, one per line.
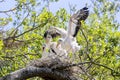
(99,37)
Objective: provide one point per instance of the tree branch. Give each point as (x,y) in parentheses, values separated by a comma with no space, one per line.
(13,37)
(52,69)
(9,10)
(64,66)
(42,68)
(31,71)
(1,0)
(87,45)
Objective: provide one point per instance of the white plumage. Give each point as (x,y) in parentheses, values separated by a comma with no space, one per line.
(67,40)
(67,43)
(50,49)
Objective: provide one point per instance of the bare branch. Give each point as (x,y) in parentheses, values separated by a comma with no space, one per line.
(13,37)
(87,45)
(1,0)
(20,24)
(9,10)
(13,9)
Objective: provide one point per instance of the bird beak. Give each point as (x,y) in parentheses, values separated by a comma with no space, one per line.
(43,48)
(46,40)
(57,45)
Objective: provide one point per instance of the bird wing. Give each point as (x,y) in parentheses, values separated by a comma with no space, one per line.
(55,31)
(60,31)
(75,21)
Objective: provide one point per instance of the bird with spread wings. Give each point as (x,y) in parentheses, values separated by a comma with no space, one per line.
(67,39)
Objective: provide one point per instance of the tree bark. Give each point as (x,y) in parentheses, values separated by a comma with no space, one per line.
(48,69)
(32,71)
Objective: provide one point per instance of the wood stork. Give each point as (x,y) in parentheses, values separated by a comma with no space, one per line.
(68,37)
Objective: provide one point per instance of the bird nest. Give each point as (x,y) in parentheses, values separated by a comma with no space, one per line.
(57,68)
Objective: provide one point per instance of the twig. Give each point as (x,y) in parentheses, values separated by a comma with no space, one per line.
(69,65)
(26,31)
(19,24)
(87,45)
(102,66)
(64,66)
(9,10)
(12,57)
(86,73)
(1,0)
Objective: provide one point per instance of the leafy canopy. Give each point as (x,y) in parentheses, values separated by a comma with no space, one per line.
(99,37)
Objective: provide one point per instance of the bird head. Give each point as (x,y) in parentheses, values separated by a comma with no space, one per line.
(47,37)
(59,42)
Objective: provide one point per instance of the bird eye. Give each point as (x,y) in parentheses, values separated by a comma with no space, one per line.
(49,37)
(60,40)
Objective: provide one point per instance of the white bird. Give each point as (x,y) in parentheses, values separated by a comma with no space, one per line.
(51,48)
(68,37)
(46,45)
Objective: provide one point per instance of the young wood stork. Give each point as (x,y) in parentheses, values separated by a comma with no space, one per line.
(51,48)
(53,51)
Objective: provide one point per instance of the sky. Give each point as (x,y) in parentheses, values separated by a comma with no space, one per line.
(65,4)
(8,4)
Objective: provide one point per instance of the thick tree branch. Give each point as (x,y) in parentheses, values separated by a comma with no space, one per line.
(42,68)
(31,71)
(52,69)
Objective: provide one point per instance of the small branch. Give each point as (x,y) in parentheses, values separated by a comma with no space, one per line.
(64,66)
(87,45)
(102,66)
(9,10)
(20,55)
(27,31)
(69,65)
(86,73)
(113,72)
(22,20)
(1,0)
(19,24)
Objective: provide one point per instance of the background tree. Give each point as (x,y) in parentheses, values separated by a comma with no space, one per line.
(99,37)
